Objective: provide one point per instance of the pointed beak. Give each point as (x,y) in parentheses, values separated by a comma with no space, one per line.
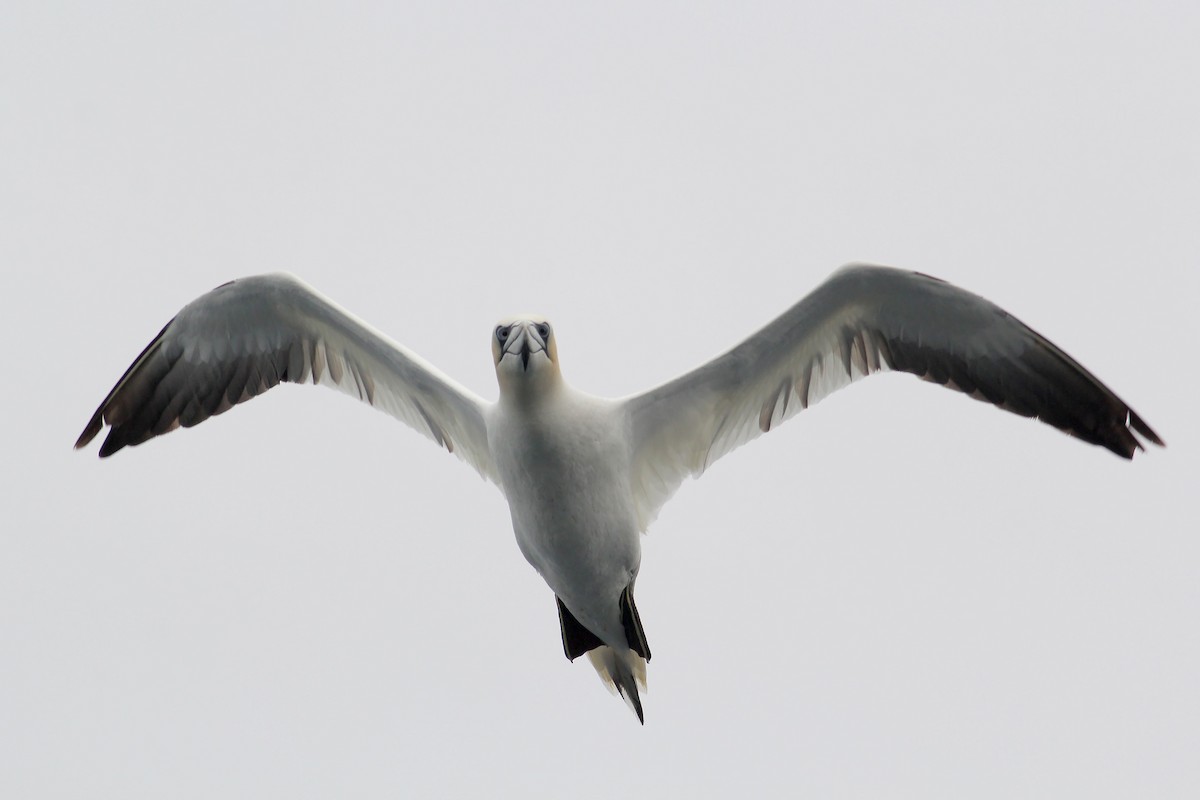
(523,342)
(518,344)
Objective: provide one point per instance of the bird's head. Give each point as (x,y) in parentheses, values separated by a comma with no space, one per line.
(526,354)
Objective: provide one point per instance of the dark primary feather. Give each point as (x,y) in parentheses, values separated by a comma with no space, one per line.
(161,391)
(1022,372)
(1042,382)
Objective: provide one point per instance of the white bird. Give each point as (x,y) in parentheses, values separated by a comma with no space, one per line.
(584,476)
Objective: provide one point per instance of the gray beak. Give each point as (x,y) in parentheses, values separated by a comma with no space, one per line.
(524,342)
(519,345)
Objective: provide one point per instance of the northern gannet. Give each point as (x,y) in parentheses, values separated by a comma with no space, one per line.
(584,476)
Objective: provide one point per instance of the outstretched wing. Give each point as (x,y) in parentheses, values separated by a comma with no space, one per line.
(862,320)
(246,336)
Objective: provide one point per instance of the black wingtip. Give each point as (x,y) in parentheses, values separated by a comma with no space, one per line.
(97,421)
(112,442)
(89,432)
(1139,426)
(110,445)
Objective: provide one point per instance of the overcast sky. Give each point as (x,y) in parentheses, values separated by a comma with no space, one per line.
(901,593)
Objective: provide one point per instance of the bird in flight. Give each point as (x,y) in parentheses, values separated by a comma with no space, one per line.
(585,476)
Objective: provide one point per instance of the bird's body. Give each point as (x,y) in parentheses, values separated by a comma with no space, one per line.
(563,467)
(562,459)
(584,476)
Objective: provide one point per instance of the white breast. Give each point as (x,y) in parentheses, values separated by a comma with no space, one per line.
(563,464)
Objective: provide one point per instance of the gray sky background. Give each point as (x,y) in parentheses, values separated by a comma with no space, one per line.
(902,593)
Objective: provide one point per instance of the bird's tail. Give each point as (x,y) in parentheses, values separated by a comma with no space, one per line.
(622,672)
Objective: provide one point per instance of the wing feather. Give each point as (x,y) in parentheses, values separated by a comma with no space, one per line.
(862,320)
(249,335)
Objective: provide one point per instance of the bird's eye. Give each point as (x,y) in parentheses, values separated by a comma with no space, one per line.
(543,330)
(502,333)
